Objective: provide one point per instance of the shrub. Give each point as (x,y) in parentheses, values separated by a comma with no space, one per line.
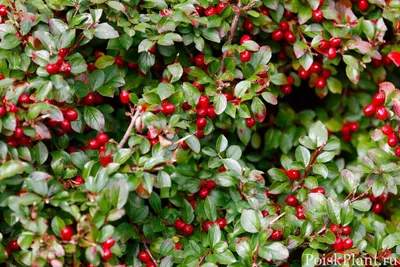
(148,133)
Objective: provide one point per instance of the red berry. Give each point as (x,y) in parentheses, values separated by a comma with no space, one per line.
(143,256)
(154,141)
(264,10)
(65,125)
(335,42)
(79,180)
(334,228)
(199,60)
(124,97)
(13,245)
(201,112)
(284,26)
(320,190)
(265,213)
(276,235)
(397,151)
(346,230)
(66,233)
(293,174)
(168,108)
(188,229)
(377,208)
(338,245)
(152,49)
(290,80)
(203,184)
(317,15)
(98,54)
(206,226)
(70,114)
(3,111)
(220,7)
(303,74)
(63,52)
(288,15)
(102,138)
(326,73)
(248,25)
(346,129)
(221,169)
(292,201)
(347,243)
(300,213)
(179,224)
(119,61)
(277,35)
(203,193)
(3,10)
(211,113)
(24,99)
(324,45)
(392,140)
(107,254)
(211,184)
(332,53)
(245,56)
(379,99)
(245,38)
(210,11)
(200,134)
(150,264)
(89,100)
(250,122)
(221,222)
(186,106)
(200,10)
(52,68)
(369,110)
(290,37)
(320,83)
(12,108)
(199,87)
(353,126)
(286,89)
(387,130)
(91,66)
(228,96)
(316,67)
(381,113)
(201,123)
(109,243)
(387,60)
(66,68)
(363,5)
(93,144)
(177,246)
(204,102)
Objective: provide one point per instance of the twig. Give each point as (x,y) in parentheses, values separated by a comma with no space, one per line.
(131,125)
(143,239)
(277,218)
(238,11)
(310,165)
(255,256)
(202,258)
(40,118)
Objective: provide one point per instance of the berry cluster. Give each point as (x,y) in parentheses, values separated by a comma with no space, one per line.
(60,65)
(283,32)
(144,257)
(245,56)
(377,107)
(186,228)
(348,129)
(13,244)
(378,202)
(107,245)
(340,243)
(207,225)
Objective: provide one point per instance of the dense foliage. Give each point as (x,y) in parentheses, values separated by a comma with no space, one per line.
(148,133)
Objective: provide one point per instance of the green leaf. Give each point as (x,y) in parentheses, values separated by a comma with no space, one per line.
(96,79)
(105,31)
(210,209)
(214,234)
(349,180)
(11,168)
(220,103)
(278,251)
(9,41)
(362,205)
(303,154)
(231,164)
(94,118)
(250,221)
(241,88)
(333,207)
(279,79)
(146,61)
(222,143)
(299,48)
(57,224)
(194,143)
(318,133)
(187,212)
(391,240)
(309,258)
(320,169)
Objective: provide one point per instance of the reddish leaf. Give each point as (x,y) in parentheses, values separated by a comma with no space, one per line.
(395,57)
(396,106)
(387,87)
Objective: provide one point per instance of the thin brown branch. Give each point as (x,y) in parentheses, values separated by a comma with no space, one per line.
(144,241)
(130,127)
(40,118)
(202,258)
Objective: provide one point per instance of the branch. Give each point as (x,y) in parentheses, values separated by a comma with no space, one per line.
(308,169)
(238,11)
(143,239)
(130,127)
(277,218)
(40,118)
(204,256)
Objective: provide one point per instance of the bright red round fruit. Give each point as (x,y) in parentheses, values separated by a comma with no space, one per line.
(290,37)
(286,89)
(65,125)
(199,60)
(379,99)
(248,25)
(346,230)
(70,114)
(387,130)
(211,113)
(363,5)
(323,45)
(105,160)
(377,208)
(24,99)
(332,53)
(199,87)
(3,111)
(3,10)
(277,35)
(290,80)
(317,15)
(220,7)
(284,26)
(293,174)
(211,184)
(188,229)
(397,151)
(245,38)
(201,112)
(382,113)
(334,228)
(265,213)
(354,126)
(18,133)
(67,233)
(79,180)
(276,235)
(320,83)
(250,122)
(203,193)
(245,56)
(291,201)
(206,226)
(338,245)
(150,264)
(326,73)
(203,102)
(119,61)
(303,74)
(102,138)
(316,67)
(168,108)
(13,245)
(221,222)
(369,110)
(201,123)
(320,190)
(52,68)
(209,11)
(124,96)
(143,256)
(347,243)
(392,140)
(93,144)
(335,42)
(179,224)
(109,243)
